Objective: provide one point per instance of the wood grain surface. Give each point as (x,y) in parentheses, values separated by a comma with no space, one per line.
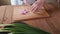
(2,12)
(17,14)
(8,15)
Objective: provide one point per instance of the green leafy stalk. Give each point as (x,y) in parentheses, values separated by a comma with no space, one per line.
(19,28)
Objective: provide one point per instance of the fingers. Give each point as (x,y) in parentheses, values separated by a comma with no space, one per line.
(34,9)
(36,5)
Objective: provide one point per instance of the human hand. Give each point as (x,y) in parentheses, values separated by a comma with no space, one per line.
(37,5)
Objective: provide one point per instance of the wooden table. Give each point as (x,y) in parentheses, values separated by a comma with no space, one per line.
(9,14)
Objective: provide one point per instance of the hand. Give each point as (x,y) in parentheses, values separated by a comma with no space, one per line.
(37,5)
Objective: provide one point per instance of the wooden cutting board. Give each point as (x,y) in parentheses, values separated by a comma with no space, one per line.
(18,16)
